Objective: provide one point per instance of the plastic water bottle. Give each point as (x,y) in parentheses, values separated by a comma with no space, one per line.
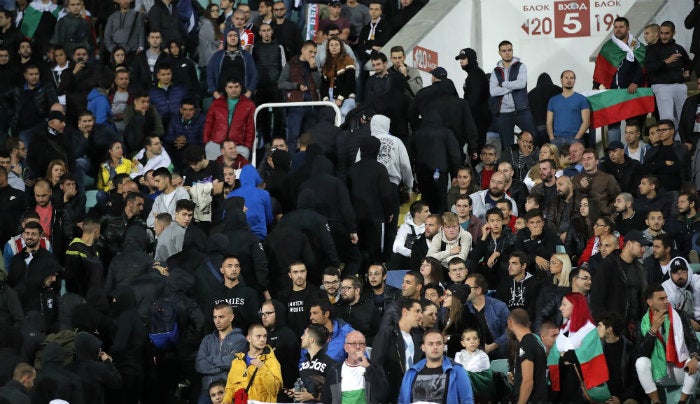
(298,387)
(436,175)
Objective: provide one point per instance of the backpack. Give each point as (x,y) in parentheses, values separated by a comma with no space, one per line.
(163,331)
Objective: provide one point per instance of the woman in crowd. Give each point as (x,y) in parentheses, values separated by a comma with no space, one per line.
(458,318)
(603,226)
(117,59)
(463,184)
(552,293)
(431,269)
(573,360)
(581,228)
(338,77)
(548,151)
(115,164)
(209,36)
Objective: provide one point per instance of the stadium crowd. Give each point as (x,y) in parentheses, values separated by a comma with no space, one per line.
(163,245)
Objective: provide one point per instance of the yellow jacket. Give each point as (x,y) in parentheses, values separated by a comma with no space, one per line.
(268,379)
(104,183)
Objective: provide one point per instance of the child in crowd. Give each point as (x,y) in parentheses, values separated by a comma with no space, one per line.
(471,357)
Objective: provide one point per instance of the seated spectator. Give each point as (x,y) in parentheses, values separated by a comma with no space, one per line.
(619,354)
(381,294)
(635,148)
(486,199)
(462,185)
(185,128)
(356,309)
(537,241)
(471,357)
(115,164)
(140,120)
(169,195)
(452,241)
(626,170)
(491,315)
(230,157)
(151,157)
(651,364)
(496,243)
(681,289)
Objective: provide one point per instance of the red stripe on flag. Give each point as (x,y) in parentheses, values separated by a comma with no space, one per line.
(595,371)
(604,71)
(554,377)
(619,112)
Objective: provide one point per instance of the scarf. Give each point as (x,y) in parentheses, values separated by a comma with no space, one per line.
(629,50)
(666,350)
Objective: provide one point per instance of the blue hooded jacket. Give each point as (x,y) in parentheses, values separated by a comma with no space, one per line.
(257,201)
(459,389)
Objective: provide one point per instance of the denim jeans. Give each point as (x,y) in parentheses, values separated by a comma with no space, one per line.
(299,119)
(506,121)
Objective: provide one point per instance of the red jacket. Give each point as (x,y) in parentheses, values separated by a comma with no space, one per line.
(242,128)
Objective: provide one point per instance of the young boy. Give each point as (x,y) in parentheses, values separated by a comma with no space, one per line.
(471,357)
(216,391)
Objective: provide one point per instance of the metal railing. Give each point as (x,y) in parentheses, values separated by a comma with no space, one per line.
(271,105)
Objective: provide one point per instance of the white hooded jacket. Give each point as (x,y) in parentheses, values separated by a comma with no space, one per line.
(392,152)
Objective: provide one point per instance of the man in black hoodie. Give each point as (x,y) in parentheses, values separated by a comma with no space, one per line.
(129,343)
(335,205)
(54,380)
(315,227)
(17,389)
(476,92)
(433,150)
(283,340)
(370,190)
(130,263)
(95,368)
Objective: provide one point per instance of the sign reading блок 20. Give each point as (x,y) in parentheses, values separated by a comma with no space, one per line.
(571,18)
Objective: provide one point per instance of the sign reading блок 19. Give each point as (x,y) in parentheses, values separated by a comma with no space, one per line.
(570,18)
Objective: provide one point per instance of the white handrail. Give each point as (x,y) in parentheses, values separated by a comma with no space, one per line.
(338,117)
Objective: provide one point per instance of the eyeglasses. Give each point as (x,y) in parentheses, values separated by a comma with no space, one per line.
(583,205)
(356,344)
(266,313)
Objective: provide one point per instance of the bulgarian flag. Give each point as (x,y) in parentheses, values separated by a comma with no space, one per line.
(610,58)
(589,354)
(610,106)
(669,348)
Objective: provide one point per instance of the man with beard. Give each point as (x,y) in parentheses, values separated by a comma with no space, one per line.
(514,186)
(620,281)
(433,223)
(594,183)
(650,198)
(626,170)
(560,213)
(486,199)
(411,288)
(627,219)
(655,223)
(381,294)
(608,244)
(243,299)
(668,160)
(683,290)
(356,309)
(687,224)
(547,189)
(568,113)
(331,284)
(283,340)
(298,298)
(538,242)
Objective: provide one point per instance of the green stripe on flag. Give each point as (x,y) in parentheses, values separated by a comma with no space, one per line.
(607,98)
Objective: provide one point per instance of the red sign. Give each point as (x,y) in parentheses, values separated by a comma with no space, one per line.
(424,59)
(572,18)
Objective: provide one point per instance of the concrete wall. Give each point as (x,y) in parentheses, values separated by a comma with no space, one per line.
(446,26)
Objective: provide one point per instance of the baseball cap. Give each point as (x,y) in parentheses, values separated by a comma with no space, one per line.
(678,264)
(462,54)
(57,115)
(460,291)
(439,73)
(335,3)
(636,235)
(614,146)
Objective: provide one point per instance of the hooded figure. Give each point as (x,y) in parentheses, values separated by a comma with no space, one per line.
(392,152)
(54,380)
(476,93)
(433,150)
(96,375)
(246,246)
(278,184)
(131,262)
(129,339)
(259,214)
(370,190)
(539,97)
(315,227)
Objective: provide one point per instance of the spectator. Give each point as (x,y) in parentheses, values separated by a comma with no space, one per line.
(463,184)
(452,241)
(186,127)
(166,94)
(95,368)
(169,195)
(145,61)
(530,367)
(382,295)
(595,183)
(151,157)
(18,389)
(635,148)
(672,176)
(283,340)
(163,18)
(229,63)
(83,265)
(314,364)
(261,359)
(371,385)
(486,199)
(124,28)
(627,219)
(654,346)
(623,383)
(680,289)
(522,288)
(223,124)
(562,116)
(356,309)
(270,58)
(433,225)
(141,119)
(626,170)
(410,231)
(217,350)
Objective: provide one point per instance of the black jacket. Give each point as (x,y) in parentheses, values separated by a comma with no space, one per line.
(686,125)
(362,316)
(15,392)
(13,203)
(96,376)
(627,174)
(660,72)
(671,177)
(693,21)
(132,262)
(333,196)
(44,97)
(538,98)
(615,290)
(369,185)
(376,384)
(141,74)
(433,146)
(347,144)
(542,246)
(245,245)
(389,352)
(548,303)
(83,268)
(28,281)
(476,94)
(54,375)
(130,335)
(49,145)
(164,21)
